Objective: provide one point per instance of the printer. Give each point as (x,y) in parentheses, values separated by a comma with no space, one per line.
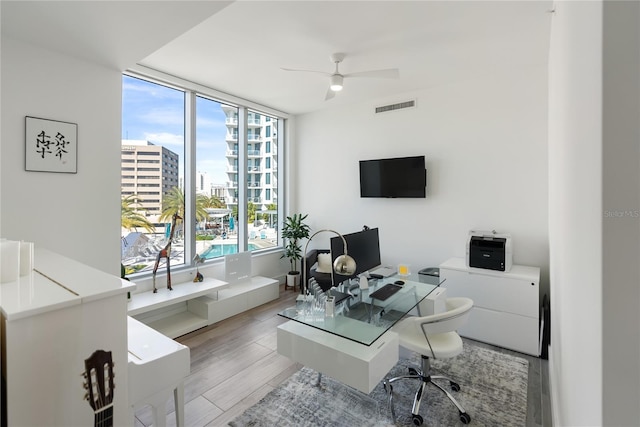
(489,250)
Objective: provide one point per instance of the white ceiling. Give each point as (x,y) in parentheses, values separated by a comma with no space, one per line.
(240,49)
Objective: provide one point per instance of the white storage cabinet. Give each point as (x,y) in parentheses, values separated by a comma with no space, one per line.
(505,304)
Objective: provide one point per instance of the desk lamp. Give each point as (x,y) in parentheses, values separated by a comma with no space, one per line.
(343,264)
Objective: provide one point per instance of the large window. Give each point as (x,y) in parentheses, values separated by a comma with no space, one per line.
(204,158)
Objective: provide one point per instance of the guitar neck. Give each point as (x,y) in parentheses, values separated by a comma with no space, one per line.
(104,418)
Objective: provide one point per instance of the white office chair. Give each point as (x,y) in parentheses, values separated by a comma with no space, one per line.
(434,337)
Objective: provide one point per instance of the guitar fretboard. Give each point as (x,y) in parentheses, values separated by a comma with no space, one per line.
(104,418)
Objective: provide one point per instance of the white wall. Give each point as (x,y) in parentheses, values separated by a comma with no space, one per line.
(76,215)
(486,151)
(594,204)
(575,213)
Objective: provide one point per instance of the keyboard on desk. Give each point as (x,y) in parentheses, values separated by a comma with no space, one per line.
(385,292)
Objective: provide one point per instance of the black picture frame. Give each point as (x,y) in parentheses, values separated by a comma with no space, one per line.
(50,145)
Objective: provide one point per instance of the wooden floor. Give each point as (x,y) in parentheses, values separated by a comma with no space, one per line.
(234,363)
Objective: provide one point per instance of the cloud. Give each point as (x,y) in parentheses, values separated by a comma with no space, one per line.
(206,144)
(163,116)
(141,90)
(156,113)
(215,168)
(165,138)
(210,123)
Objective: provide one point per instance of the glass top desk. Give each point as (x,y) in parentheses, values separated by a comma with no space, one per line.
(361,318)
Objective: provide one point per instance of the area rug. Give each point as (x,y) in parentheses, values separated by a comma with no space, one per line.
(493,392)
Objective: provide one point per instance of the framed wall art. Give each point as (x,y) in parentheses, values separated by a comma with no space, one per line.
(51,145)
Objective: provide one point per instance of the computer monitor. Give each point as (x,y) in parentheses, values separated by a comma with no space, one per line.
(362,246)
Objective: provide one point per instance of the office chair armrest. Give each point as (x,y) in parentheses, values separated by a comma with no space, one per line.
(458,310)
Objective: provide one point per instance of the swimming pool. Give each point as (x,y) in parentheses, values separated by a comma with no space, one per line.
(216,251)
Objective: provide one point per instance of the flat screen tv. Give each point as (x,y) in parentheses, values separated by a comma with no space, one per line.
(396,177)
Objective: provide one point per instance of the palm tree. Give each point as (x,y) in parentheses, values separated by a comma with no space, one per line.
(131,217)
(214,202)
(251,211)
(270,207)
(201,204)
(173,202)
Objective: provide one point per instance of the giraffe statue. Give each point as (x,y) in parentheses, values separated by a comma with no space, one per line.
(166,253)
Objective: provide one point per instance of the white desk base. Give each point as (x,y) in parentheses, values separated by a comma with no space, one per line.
(357,365)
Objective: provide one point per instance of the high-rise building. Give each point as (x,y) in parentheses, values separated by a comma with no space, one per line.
(149,172)
(262,164)
(203,184)
(206,187)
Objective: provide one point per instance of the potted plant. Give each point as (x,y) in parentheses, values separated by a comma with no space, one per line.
(293,230)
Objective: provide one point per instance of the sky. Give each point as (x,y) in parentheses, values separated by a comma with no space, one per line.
(156,113)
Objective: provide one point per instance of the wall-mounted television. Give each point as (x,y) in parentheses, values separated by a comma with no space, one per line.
(396,177)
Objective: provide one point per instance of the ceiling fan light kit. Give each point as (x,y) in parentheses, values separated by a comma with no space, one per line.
(336,82)
(336,78)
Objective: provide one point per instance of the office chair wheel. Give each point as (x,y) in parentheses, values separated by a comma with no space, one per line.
(417,420)
(413,371)
(465,418)
(454,386)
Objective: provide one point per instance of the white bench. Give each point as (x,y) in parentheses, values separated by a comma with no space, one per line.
(157,368)
(190,306)
(237,298)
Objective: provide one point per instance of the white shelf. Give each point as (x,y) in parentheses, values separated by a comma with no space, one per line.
(241,296)
(179,324)
(190,306)
(148,301)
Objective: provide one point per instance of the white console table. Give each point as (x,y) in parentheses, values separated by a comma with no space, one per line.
(505,305)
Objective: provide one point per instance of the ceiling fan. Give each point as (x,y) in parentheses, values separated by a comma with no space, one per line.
(336,78)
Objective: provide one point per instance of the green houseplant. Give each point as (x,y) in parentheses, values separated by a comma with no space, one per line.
(293,230)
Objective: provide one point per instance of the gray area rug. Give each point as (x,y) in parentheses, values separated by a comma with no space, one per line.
(493,392)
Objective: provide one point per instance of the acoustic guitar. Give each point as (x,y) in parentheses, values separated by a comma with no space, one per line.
(99,386)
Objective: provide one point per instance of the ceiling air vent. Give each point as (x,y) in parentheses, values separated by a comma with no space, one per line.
(394,107)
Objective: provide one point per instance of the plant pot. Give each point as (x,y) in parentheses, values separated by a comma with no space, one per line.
(293,279)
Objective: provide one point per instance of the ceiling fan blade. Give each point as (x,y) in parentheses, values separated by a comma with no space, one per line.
(389,73)
(306,71)
(330,94)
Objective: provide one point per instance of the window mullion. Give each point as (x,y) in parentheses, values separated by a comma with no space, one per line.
(190,178)
(243,228)
(280,173)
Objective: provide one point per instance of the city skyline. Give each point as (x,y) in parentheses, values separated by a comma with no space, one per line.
(156,114)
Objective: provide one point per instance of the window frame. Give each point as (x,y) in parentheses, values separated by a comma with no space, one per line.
(192,91)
